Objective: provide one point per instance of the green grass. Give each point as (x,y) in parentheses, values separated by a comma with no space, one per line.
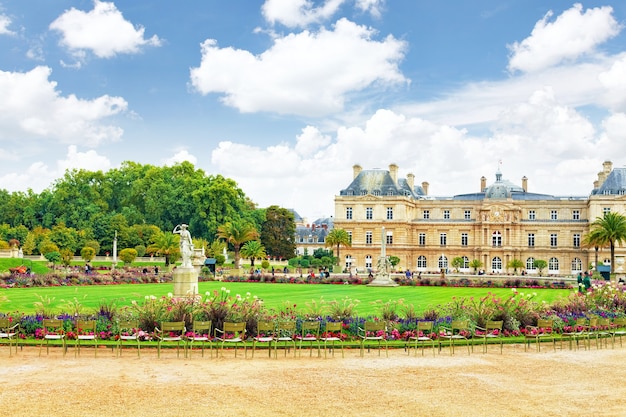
(273,295)
(38,267)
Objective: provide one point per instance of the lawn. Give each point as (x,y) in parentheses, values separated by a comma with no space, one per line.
(273,295)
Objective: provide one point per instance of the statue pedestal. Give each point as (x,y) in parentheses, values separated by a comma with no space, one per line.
(185,282)
(382,280)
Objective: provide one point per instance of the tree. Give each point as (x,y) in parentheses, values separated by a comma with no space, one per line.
(53,257)
(457,263)
(515,264)
(66,256)
(236,233)
(165,244)
(87,253)
(595,239)
(475,263)
(278,233)
(128,255)
(611,229)
(338,237)
(253,249)
(540,264)
(394,260)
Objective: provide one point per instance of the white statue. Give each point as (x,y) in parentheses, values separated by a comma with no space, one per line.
(186,245)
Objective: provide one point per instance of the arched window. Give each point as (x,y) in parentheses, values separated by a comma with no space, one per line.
(530,264)
(466,262)
(348,261)
(553,265)
(368,261)
(496,239)
(443,262)
(496,264)
(577,264)
(421,262)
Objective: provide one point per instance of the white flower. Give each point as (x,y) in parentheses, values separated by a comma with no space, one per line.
(170,295)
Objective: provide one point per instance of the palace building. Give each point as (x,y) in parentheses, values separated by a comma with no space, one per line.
(499,223)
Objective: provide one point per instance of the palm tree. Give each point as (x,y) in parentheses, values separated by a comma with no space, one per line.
(338,237)
(167,245)
(611,229)
(595,239)
(253,249)
(236,233)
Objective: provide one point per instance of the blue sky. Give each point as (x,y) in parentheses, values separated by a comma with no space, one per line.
(285,96)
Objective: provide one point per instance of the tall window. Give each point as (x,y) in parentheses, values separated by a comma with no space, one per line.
(389,238)
(348,213)
(446,214)
(422,239)
(369,213)
(442,239)
(350,236)
(496,264)
(466,262)
(575,214)
(443,262)
(530,264)
(348,261)
(553,240)
(532,215)
(531,240)
(577,264)
(576,240)
(426,214)
(496,239)
(389,213)
(467,215)
(464,239)
(553,265)
(553,215)
(368,238)
(368,261)
(421,261)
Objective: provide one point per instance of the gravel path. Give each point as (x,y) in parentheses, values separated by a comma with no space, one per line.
(516,383)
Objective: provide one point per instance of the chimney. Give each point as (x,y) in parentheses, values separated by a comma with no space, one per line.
(525,184)
(393,171)
(596,184)
(410,180)
(425,187)
(483,183)
(607,166)
(356,170)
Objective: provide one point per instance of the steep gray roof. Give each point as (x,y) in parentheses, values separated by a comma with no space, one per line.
(380,182)
(615,183)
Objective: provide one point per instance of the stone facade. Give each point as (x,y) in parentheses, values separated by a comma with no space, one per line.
(501,222)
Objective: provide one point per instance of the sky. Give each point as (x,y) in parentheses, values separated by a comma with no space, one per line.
(285,96)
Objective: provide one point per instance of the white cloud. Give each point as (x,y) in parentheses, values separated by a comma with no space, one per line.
(298,13)
(32,107)
(5,22)
(614,80)
(39,175)
(574,33)
(373,7)
(308,73)
(181,156)
(103,31)
(310,141)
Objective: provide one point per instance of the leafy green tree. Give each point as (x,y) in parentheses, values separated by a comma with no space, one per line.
(87,253)
(128,255)
(253,249)
(475,263)
(65,237)
(457,263)
(66,257)
(321,253)
(595,239)
(515,264)
(394,260)
(94,245)
(53,257)
(167,245)
(47,246)
(278,232)
(236,233)
(540,264)
(611,229)
(338,238)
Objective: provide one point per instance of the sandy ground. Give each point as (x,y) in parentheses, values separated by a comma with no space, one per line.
(516,383)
